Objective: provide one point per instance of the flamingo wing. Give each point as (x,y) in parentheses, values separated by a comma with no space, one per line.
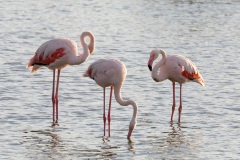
(52,51)
(99,68)
(190,70)
(102,71)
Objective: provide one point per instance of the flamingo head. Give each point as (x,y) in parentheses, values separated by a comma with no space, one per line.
(132,125)
(153,55)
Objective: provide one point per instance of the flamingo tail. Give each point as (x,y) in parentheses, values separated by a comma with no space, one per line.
(200,81)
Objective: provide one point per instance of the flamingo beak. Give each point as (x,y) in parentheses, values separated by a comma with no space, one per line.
(150,67)
(129,134)
(150,62)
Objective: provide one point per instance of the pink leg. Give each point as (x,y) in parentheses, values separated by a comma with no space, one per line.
(53,97)
(173,106)
(56,96)
(109,110)
(180,106)
(104,116)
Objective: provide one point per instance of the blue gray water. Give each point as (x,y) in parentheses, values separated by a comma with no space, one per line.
(205,31)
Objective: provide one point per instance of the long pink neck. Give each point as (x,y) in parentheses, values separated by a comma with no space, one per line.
(91,45)
(118,97)
(159,76)
(87,49)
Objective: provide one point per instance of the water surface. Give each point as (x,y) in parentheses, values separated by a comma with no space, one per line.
(205,31)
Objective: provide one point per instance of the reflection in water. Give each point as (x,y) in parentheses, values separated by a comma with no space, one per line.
(131,146)
(180,142)
(105,139)
(174,142)
(175,137)
(43,141)
(48,144)
(54,144)
(116,148)
(107,149)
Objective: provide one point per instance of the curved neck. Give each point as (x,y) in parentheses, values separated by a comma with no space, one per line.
(87,48)
(118,97)
(159,77)
(91,45)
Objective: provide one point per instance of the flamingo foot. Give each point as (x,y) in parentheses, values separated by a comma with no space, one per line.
(55,123)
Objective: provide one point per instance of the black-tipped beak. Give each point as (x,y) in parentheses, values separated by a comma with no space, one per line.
(150,67)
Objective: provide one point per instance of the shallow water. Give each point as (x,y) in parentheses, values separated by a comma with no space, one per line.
(205,31)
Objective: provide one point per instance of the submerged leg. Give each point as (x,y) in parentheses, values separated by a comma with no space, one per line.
(109,110)
(56,95)
(180,106)
(104,116)
(53,97)
(173,105)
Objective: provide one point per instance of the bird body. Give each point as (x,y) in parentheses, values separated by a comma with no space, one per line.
(102,71)
(176,68)
(112,72)
(54,54)
(57,53)
(60,52)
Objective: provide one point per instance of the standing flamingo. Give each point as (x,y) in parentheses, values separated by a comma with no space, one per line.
(112,72)
(176,68)
(58,53)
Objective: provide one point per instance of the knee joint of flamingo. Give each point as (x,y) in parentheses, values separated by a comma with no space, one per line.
(104,119)
(180,109)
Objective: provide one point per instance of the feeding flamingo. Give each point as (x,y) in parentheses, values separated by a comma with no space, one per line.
(57,53)
(176,68)
(112,72)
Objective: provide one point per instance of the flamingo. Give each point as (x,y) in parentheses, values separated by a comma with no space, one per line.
(56,54)
(176,68)
(112,72)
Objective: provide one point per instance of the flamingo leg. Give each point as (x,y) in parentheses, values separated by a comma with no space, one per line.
(174,104)
(56,95)
(104,116)
(53,97)
(180,106)
(109,110)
